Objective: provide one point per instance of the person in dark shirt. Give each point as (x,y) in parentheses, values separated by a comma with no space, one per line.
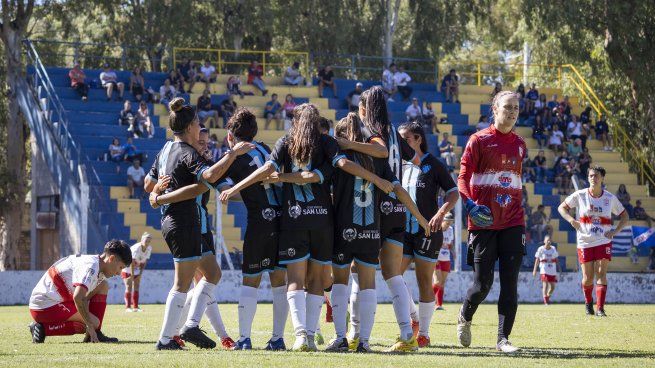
(325,77)
(188,72)
(205,111)
(228,107)
(357,235)
(424,182)
(303,160)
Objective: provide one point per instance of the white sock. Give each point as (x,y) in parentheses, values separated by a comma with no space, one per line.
(214,316)
(247,309)
(314,304)
(185,311)
(297,307)
(425,312)
(413,312)
(339,309)
(174,306)
(354,307)
(368,303)
(400,299)
(202,294)
(280,311)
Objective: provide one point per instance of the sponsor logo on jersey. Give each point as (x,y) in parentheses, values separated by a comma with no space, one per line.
(349,234)
(596,230)
(503,199)
(426,169)
(266,262)
(315,210)
(291,252)
(505,180)
(269,214)
(295,211)
(595,220)
(386,207)
(607,202)
(593,208)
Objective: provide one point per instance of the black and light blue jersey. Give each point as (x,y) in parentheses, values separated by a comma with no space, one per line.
(423,184)
(307,206)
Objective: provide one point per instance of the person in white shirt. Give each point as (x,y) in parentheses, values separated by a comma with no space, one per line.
(443,265)
(556,138)
(109,81)
(207,73)
(413,111)
(292,75)
(594,209)
(135,176)
(574,128)
(546,260)
(401,79)
(167,93)
(131,274)
(71,297)
(388,84)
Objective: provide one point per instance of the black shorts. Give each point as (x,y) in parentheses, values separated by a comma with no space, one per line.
(347,247)
(299,245)
(491,243)
(259,251)
(392,234)
(207,246)
(183,237)
(427,249)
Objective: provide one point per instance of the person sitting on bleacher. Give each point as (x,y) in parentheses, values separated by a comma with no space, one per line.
(498,87)
(167,93)
(287,111)
(354,96)
(413,111)
(234,86)
(228,107)
(135,176)
(126,117)
(273,110)
(483,123)
(447,152)
(450,86)
(556,138)
(325,79)
(255,72)
(292,75)
(540,223)
(205,111)
(131,153)
(531,98)
(137,84)
(188,72)
(539,162)
(143,120)
(640,214)
(574,148)
(565,107)
(109,81)
(78,81)
(401,79)
(429,122)
(388,84)
(207,73)
(562,173)
(115,151)
(624,197)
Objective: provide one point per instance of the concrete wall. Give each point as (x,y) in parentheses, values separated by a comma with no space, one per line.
(16,287)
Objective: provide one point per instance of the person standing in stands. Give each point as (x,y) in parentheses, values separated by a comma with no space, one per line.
(78,81)
(490,186)
(325,79)
(401,80)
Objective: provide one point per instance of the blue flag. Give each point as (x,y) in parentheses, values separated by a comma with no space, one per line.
(644,236)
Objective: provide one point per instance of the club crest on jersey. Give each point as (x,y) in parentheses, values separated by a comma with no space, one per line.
(291,252)
(505,180)
(386,207)
(503,199)
(349,234)
(269,214)
(266,262)
(595,220)
(294,211)
(426,169)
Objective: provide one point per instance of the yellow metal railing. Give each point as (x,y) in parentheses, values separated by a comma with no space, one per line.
(476,72)
(226,57)
(629,150)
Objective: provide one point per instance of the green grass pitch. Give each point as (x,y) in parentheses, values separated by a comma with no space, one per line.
(554,336)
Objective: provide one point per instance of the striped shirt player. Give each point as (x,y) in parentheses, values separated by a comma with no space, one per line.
(443,261)
(547,258)
(139,259)
(595,217)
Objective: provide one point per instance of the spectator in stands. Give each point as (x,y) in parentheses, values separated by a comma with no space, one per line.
(273,110)
(401,80)
(78,81)
(573,128)
(497,88)
(556,138)
(167,93)
(450,86)
(602,134)
(353,97)
(624,197)
(539,132)
(388,84)
(207,73)
(292,76)
(429,121)
(110,82)
(574,148)
(288,106)
(483,123)
(115,150)
(255,72)
(214,148)
(177,81)
(131,153)
(521,90)
(234,86)
(446,151)
(540,166)
(562,174)
(143,120)
(640,214)
(413,111)
(205,111)
(585,116)
(540,106)
(188,72)
(137,84)
(584,160)
(135,175)
(325,79)
(228,107)
(540,223)
(531,97)
(126,117)
(565,106)
(529,174)
(526,201)
(553,103)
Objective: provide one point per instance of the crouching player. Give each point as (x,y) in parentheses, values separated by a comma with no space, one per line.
(71,297)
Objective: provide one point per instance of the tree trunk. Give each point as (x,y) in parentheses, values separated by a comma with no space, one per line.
(12,210)
(390,27)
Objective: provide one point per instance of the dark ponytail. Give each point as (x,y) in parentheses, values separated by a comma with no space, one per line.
(181,115)
(416,129)
(377,118)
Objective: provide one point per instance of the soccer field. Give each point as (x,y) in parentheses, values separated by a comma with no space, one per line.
(556,335)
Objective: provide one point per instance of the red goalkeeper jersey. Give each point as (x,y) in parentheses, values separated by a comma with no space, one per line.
(490,174)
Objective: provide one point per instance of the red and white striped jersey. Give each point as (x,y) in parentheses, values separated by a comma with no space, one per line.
(57,285)
(547,259)
(490,174)
(139,258)
(594,215)
(448,242)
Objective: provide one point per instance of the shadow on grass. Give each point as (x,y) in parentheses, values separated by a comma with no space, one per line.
(539,353)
